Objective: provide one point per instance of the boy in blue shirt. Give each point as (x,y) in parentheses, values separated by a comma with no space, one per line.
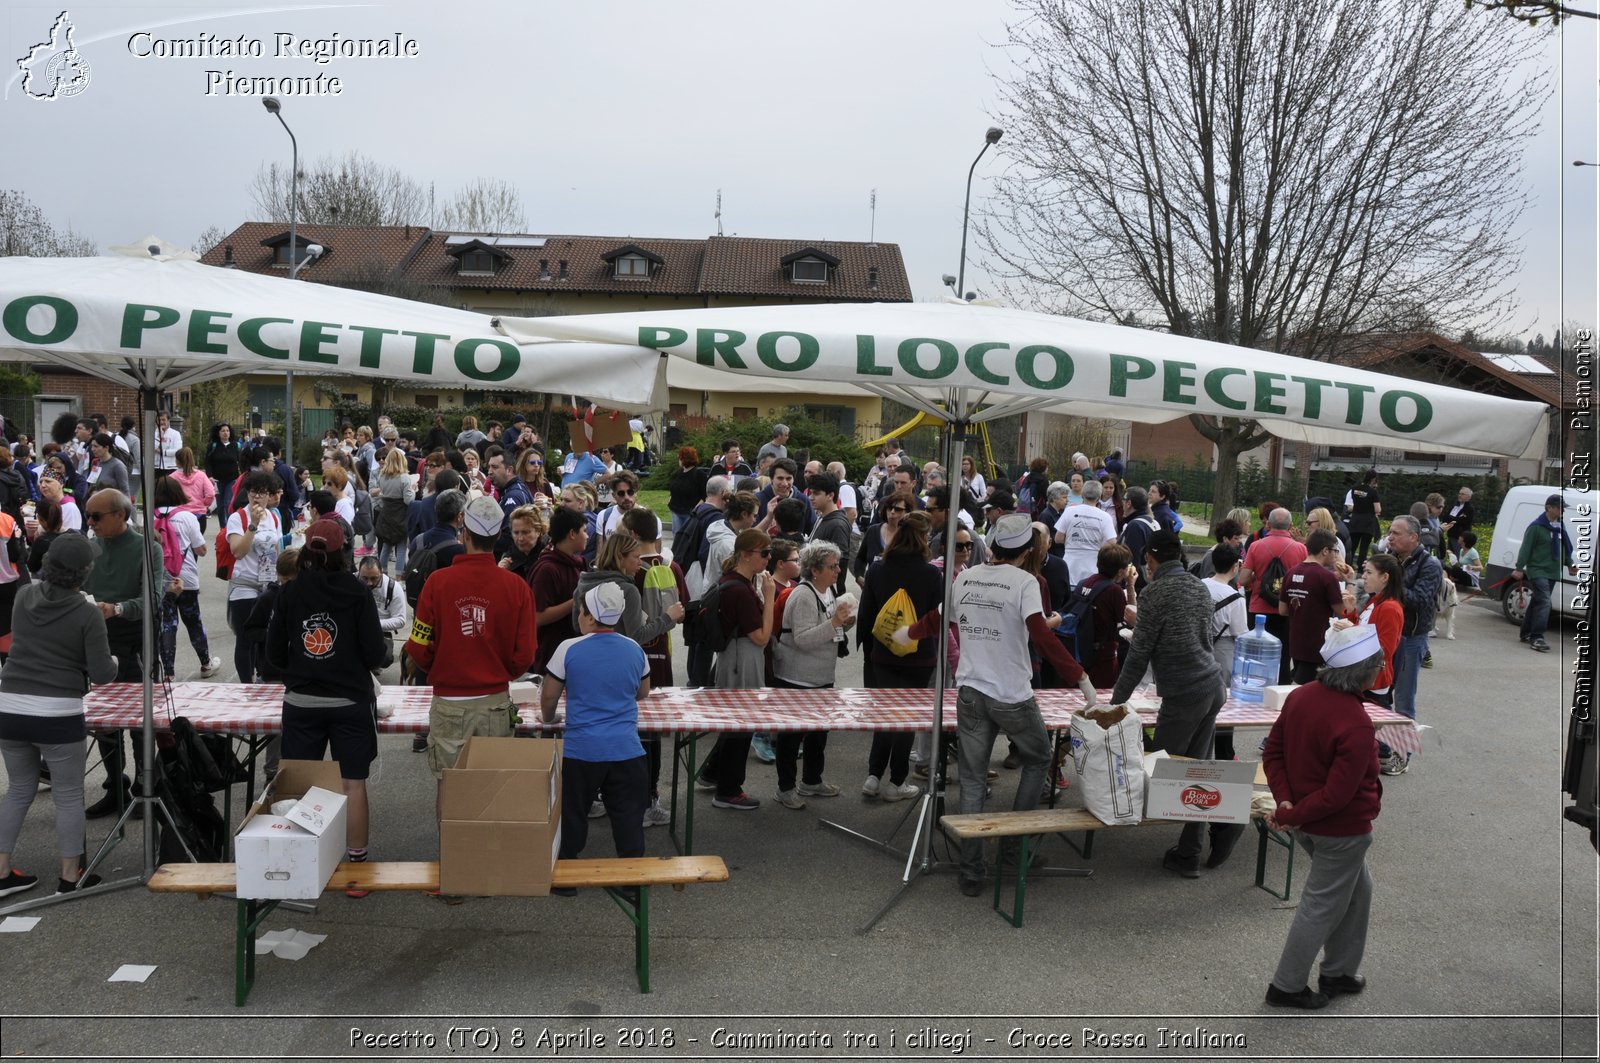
(604,675)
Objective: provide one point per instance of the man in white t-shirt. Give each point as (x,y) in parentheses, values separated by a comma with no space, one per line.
(847,492)
(999,614)
(1084,528)
(254,536)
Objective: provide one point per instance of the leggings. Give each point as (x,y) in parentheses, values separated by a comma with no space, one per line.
(66,764)
(186,606)
(1360,543)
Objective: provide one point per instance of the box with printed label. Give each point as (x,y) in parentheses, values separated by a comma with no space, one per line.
(500,818)
(292,856)
(1210,791)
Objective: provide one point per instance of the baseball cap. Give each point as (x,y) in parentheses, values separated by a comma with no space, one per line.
(1556,500)
(483,516)
(1013,530)
(325,537)
(605,603)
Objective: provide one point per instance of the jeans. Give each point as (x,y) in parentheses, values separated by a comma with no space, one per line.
(1407,668)
(224,499)
(979,720)
(677,522)
(397,550)
(1537,620)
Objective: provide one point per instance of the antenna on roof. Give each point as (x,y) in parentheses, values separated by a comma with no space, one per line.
(872,224)
(718,214)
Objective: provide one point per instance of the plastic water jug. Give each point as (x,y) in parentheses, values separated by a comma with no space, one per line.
(1255,662)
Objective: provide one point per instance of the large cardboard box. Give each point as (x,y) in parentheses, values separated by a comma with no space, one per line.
(500,818)
(292,857)
(1209,791)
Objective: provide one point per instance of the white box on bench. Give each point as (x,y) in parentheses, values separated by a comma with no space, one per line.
(1210,791)
(500,818)
(292,857)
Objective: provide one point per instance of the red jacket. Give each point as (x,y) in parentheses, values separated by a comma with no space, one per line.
(474,629)
(1322,756)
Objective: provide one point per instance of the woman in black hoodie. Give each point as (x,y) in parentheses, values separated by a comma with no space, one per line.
(222,465)
(325,639)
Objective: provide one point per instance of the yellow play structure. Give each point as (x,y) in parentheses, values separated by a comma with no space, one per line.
(928,420)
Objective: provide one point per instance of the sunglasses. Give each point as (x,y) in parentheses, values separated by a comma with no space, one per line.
(621,492)
(94,518)
(535,461)
(766,553)
(962,548)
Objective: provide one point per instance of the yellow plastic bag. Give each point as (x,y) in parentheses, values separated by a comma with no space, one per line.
(897,612)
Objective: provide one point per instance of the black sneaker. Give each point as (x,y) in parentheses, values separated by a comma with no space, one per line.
(1306,998)
(83,883)
(1540,645)
(1331,985)
(419,743)
(972,887)
(1187,867)
(16,882)
(107,805)
(563,891)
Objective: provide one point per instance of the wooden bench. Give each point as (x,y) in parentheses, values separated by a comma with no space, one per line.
(613,875)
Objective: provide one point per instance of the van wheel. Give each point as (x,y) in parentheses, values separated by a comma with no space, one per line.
(1515,602)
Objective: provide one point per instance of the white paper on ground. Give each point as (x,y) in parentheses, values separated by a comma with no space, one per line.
(288,944)
(18,924)
(132,972)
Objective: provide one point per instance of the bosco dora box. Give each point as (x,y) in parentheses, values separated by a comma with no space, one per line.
(500,818)
(1210,791)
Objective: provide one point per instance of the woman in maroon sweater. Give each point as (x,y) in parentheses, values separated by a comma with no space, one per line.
(1321,760)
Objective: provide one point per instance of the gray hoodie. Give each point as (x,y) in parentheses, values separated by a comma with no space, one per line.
(59,639)
(634,623)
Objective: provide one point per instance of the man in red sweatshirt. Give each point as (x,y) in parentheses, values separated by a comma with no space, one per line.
(1322,763)
(473,634)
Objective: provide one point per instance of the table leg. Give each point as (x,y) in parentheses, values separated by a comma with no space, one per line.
(683,753)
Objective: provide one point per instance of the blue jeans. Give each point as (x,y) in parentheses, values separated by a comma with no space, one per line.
(1537,620)
(979,720)
(1407,667)
(677,522)
(398,550)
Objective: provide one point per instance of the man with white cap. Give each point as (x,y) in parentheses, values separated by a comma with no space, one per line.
(604,674)
(1322,763)
(473,633)
(999,613)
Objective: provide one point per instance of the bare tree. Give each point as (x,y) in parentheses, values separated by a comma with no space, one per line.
(1278,174)
(26,232)
(487,205)
(1535,11)
(211,237)
(349,190)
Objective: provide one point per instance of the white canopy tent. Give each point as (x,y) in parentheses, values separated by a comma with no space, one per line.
(971,363)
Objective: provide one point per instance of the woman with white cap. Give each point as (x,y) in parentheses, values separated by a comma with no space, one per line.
(1322,764)
(60,641)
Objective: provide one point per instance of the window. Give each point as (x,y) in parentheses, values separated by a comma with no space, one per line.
(1422,457)
(632,267)
(477,262)
(348,396)
(544,269)
(563,274)
(427,402)
(809,271)
(678,409)
(744,413)
(281,255)
(1363,453)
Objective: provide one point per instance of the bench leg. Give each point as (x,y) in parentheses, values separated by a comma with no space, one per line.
(1086,850)
(1266,834)
(639,915)
(248,917)
(1026,848)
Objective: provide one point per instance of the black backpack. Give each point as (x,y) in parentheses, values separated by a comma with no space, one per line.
(362,525)
(1216,632)
(1077,628)
(1269,585)
(711,631)
(419,566)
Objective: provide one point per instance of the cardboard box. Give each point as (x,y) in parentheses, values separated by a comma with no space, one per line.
(500,818)
(292,857)
(610,430)
(1208,791)
(1273,697)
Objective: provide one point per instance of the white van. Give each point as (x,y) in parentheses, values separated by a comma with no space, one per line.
(1522,506)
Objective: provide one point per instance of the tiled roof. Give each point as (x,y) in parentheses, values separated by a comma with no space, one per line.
(1371,352)
(355,253)
(717,265)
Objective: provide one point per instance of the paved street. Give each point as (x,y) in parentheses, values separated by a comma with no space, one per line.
(1485,907)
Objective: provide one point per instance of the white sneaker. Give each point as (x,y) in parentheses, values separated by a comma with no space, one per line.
(890,792)
(870,787)
(597,810)
(212,668)
(821,789)
(790,799)
(655,815)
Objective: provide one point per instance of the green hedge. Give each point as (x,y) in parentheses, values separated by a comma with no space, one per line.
(419,419)
(821,442)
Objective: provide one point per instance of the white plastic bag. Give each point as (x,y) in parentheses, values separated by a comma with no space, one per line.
(1108,753)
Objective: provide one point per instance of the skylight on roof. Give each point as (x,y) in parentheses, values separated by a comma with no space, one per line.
(457,239)
(1521,363)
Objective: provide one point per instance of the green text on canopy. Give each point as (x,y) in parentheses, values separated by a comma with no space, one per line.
(207,332)
(1042,367)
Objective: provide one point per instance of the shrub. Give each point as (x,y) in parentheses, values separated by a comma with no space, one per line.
(819,441)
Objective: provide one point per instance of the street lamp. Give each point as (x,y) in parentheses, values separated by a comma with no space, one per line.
(991,137)
(1580,162)
(275,109)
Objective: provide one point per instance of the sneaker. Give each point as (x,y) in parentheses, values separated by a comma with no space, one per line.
(790,799)
(1012,761)
(365,551)
(1395,764)
(739,803)
(1185,867)
(1306,998)
(419,744)
(890,792)
(1427,662)
(563,891)
(763,749)
(972,887)
(211,668)
(1540,645)
(870,787)
(655,815)
(597,810)
(817,789)
(704,785)
(1522,638)
(921,771)
(106,806)
(83,882)
(16,882)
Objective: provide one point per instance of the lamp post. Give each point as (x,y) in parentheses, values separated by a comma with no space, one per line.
(275,109)
(991,137)
(1580,162)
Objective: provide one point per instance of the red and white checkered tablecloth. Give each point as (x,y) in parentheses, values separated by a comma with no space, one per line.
(257,709)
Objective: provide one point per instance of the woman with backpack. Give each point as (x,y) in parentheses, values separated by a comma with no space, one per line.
(393,495)
(198,490)
(811,632)
(182,545)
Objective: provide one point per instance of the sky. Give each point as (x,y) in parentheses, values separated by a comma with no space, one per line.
(627,119)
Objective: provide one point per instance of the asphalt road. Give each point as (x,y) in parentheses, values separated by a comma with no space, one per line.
(1482,942)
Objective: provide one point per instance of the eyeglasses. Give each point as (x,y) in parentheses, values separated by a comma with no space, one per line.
(898,509)
(962,548)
